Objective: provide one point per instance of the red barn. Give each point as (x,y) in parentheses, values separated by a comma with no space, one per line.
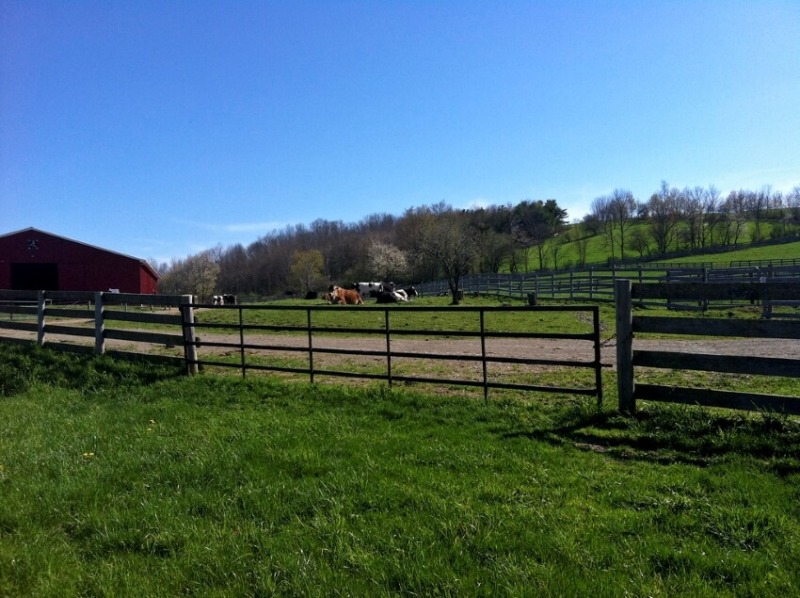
(32,259)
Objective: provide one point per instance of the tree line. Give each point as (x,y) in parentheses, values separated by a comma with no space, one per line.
(441,242)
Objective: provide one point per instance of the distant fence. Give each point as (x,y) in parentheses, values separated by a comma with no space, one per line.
(244,342)
(84,321)
(628,358)
(597,284)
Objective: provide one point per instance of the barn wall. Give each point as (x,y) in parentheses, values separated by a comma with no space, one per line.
(80,267)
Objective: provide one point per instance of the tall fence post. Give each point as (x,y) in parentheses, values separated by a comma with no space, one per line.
(40,330)
(99,324)
(189,340)
(624,318)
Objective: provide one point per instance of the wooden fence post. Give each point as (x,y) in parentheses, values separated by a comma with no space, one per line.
(99,324)
(624,317)
(189,340)
(40,331)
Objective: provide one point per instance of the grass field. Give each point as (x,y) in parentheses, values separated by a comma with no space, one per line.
(124,479)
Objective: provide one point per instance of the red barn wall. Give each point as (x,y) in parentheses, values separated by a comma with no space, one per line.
(81,267)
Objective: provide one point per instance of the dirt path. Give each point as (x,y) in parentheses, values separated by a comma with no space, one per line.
(564,350)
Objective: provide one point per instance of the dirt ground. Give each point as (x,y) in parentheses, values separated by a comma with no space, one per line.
(562,350)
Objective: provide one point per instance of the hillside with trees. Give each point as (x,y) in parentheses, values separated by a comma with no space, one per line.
(441,242)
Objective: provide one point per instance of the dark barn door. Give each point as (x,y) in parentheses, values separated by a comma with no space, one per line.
(34,277)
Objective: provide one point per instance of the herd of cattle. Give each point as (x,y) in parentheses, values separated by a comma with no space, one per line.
(382,292)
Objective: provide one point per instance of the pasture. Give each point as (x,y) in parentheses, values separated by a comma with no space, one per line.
(118,478)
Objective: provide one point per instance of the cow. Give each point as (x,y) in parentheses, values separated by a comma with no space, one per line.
(229,299)
(217,300)
(368,289)
(345,296)
(411,292)
(398,296)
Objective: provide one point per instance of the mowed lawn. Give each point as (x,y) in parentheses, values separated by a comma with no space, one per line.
(119,479)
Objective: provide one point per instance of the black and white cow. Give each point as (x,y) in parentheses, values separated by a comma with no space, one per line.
(368,289)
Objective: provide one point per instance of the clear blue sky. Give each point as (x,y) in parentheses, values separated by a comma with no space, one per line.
(161,128)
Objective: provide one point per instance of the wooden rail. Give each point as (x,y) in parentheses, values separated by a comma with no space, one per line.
(82,315)
(628,358)
(311,333)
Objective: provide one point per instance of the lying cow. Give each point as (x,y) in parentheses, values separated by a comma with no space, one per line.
(398,296)
(368,289)
(411,292)
(345,296)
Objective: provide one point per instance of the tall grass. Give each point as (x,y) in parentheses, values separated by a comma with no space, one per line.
(126,480)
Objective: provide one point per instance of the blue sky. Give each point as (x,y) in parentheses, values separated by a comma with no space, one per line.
(161,128)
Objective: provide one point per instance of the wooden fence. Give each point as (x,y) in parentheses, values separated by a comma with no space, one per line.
(597,284)
(85,321)
(244,338)
(628,358)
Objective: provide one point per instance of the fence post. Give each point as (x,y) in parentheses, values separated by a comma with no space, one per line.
(99,324)
(189,340)
(40,333)
(624,318)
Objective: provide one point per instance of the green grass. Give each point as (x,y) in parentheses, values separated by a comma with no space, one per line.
(121,479)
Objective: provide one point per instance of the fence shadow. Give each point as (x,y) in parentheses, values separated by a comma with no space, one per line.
(667,434)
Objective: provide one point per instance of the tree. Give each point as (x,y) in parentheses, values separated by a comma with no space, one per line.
(622,207)
(536,222)
(663,209)
(195,275)
(386,261)
(445,236)
(307,269)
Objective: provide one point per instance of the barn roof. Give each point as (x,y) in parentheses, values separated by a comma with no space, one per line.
(143,263)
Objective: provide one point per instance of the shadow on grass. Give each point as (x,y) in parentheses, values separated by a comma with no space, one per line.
(668,434)
(22,365)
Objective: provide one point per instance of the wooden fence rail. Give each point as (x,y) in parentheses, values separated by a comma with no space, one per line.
(82,315)
(392,329)
(597,284)
(628,358)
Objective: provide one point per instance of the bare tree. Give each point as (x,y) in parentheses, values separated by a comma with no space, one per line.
(195,275)
(445,236)
(622,209)
(663,209)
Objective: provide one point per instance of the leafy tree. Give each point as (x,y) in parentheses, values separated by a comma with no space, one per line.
(307,269)
(535,223)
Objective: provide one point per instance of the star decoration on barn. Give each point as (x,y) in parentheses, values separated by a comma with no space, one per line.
(33,245)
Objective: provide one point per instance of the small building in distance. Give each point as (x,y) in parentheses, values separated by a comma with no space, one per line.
(35,260)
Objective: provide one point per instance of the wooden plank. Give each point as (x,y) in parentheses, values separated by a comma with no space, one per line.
(28,310)
(729,364)
(59,312)
(137,299)
(69,296)
(717,291)
(27,326)
(68,330)
(138,336)
(718,398)
(717,327)
(624,332)
(141,316)
(10,295)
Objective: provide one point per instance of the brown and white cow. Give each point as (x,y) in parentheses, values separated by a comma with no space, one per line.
(345,296)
